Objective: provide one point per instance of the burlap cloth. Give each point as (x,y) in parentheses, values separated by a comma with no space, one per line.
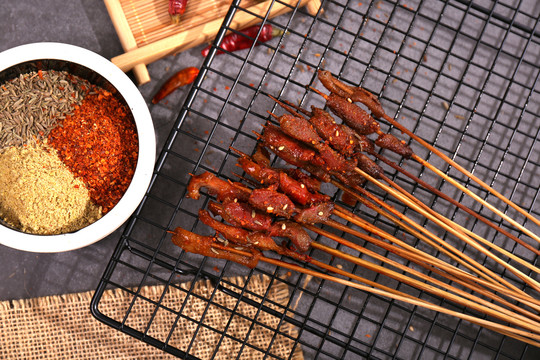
(61,327)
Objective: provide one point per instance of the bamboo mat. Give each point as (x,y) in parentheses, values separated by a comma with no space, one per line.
(61,327)
(145,31)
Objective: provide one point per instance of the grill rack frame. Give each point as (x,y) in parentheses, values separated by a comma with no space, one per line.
(131,252)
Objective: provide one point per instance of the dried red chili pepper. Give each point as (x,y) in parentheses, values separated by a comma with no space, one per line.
(99,144)
(245,39)
(183,77)
(176,9)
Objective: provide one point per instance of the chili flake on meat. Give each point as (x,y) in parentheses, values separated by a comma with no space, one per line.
(99,144)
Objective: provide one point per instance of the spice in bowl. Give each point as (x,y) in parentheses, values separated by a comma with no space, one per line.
(68,151)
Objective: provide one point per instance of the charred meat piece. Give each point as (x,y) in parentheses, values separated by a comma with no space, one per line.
(318,172)
(311,183)
(262,241)
(390,142)
(300,129)
(365,144)
(222,189)
(354,116)
(237,235)
(272,202)
(334,161)
(299,192)
(202,245)
(261,156)
(234,234)
(241,214)
(263,174)
(255,239)
(334,85)
(287,148)
(356,94)
(349,199)
(340,137)
(296,190)
(351,179)
(294,232)
(369,166)
(315,214)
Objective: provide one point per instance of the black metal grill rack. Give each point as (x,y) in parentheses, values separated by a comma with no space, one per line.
(461,74)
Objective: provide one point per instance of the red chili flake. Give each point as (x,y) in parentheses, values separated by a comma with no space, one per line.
(99,144)
(227,88)
(40,74)
(251,84)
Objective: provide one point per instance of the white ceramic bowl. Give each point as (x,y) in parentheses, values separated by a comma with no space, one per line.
(99,71)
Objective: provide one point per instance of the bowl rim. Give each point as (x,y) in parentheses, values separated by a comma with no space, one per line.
(146,156)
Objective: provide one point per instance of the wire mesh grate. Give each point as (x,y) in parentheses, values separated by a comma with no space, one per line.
(463,75)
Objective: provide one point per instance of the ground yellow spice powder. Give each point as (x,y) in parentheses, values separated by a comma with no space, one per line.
(39,195)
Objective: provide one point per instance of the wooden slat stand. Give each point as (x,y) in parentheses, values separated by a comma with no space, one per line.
(146,33)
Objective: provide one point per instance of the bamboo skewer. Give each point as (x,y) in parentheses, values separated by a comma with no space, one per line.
(522,335)
(467,299)
(463,171)
(420,261)
(480,200)
(499,307)
(292,111)
(351,217)
(462,229)
(444,247)
(455,203)
(411,252)
(534,284)
(456,272)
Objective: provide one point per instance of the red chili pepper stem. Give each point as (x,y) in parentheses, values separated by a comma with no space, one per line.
(277,32)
